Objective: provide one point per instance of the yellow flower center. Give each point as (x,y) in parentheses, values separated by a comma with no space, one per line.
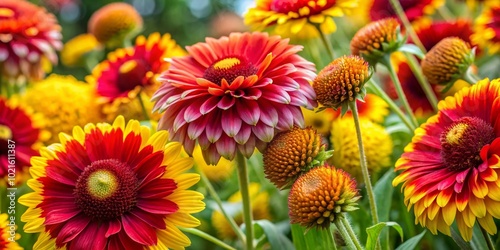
(102,184)
(456,132)
(5,132)
(5,12)
(227,63)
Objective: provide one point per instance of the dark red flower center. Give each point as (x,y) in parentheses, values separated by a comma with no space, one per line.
(229,68)
(462,141)
(302,7)
(106,190)
(131,74)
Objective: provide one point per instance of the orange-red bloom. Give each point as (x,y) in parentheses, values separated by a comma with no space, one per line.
(450,169)
(413,8)
(234,93)
(29,38)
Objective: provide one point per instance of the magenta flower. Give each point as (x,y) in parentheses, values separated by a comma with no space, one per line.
(234,93)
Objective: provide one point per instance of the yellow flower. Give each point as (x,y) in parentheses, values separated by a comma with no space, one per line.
(377,143)
(321,121)
(486,29)
(298,18)
(219,172)
(260,211)
(64,102)
(77,48)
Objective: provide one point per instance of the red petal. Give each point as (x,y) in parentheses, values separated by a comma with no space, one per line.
(138,230)
(114,226)
(157,206)
(91,238)
(152,219)
(71,229)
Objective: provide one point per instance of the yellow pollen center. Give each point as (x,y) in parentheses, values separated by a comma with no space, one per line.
(32,31)
(227,63)
(128,66)
(5,132)
(455,134)
(5,12)
(102,184)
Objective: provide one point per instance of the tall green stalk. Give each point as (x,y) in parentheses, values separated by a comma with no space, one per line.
(417,71)
(396,5)
(245,197)
(208,237)
(326,42)
(364,167)
(347,233)
(399,89)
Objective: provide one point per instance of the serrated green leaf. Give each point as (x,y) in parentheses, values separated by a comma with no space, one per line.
(412,242)
(374,231)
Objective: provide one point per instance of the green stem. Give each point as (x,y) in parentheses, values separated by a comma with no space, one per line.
(489,242)
(144,110)
(245,197)
(364,167)
(352,243)
(378,91)
(332,238)
(206,236)
(445,13)
(217,200)
(326,42)
(351,233)
(417,71)
(396,5)
(470,77)
(399,89)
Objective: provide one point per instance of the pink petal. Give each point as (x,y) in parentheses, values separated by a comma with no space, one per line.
(114,226)
(230,123)
(211,155)
(226,147)
(243,134)
(226,102)
(197,127)
(263,132)
(249,111)
(285,121)
(268,114)
(209,105)
(192,112)
(276,94)
(248,147)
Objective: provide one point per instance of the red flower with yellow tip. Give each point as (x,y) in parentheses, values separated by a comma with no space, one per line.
(297,18)
(111,187)
(129,71)
(413,9)
(487,29)
(450,169)
(29,38)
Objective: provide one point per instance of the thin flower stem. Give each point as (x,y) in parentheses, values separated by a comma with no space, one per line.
(364,167)
(396,5)
(351,243)
(245,197)
(445,13)
(399,89)
(417,71)
(351,233)
(326,42)
(332,238)
(489,242)
(206,236)
(470,77)
(217,200)
(378,91)
(144,110)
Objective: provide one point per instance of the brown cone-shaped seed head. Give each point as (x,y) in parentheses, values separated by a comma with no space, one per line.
(370,37)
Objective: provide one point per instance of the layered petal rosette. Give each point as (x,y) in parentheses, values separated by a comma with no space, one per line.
(450,169)
(234,93)
(114,187)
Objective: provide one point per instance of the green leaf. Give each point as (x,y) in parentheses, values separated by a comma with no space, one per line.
(411,243)
(412,49)
(275,238)
(374,232)
(383,193)
(304,239)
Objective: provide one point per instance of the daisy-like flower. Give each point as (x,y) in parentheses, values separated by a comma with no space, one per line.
(64,103)
(74,51)
(292,153)
(111,187)
(413,9)
(220,172)
(372,108)
(115,23)
(447,61)
(320,195)
(342,81)
(260,211)
(232,94)
(450,169)
(29,38)
(487,29)
(20,132)
(6,242)
(298,18)
(376,141)
(131,73)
